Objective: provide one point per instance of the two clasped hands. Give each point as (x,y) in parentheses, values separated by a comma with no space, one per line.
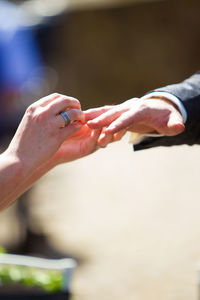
(46,137)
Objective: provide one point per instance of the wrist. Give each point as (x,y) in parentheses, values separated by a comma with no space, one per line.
(160,98)
(18,165)
(13,176)
(170,98)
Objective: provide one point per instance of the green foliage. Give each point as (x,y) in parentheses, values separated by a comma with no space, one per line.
(50,281)
(2,250)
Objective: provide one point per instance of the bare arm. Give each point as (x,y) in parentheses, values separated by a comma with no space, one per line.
(15,179)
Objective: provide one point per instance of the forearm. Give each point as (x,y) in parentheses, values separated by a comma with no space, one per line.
(15,178)
(12,173)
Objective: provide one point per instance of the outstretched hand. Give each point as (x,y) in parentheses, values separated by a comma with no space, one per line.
(135,115)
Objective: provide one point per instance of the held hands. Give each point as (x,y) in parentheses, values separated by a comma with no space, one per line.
(43,136)
(152,115)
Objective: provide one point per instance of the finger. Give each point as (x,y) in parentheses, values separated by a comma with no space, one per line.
(95,134)
(94,140)
(105,139)
(75,115)
(124,121)
(95,112)
(106,118)
(63,103)
(119,135)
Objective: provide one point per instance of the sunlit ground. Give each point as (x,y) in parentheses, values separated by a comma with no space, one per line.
(132,217)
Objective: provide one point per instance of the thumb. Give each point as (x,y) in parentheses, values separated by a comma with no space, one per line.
(175,124)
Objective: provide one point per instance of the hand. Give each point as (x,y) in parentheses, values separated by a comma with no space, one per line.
(136,115)
(79,144)
(42,129)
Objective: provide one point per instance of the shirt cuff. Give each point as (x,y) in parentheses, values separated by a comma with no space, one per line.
(171,98)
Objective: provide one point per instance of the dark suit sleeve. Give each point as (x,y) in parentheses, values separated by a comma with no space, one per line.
(188,93)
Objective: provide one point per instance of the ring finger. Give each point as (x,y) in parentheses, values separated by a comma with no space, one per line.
(74,115)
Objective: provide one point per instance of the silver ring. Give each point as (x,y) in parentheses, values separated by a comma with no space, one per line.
(66,118)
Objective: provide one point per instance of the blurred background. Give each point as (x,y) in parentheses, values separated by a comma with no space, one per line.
(130,219)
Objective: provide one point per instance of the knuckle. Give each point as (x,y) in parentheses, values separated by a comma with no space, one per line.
(75,114)
(38,117)
(55,95)
(70,100)
(31,109)
(36,114)
(143,106)
(68,97)
(108,108)
(75,101)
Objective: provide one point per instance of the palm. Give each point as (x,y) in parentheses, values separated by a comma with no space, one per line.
(79,144)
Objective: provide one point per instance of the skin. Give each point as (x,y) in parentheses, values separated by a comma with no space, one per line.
(41,142)
(149,115)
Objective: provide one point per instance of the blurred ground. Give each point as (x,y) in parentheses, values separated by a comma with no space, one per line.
(132,218)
